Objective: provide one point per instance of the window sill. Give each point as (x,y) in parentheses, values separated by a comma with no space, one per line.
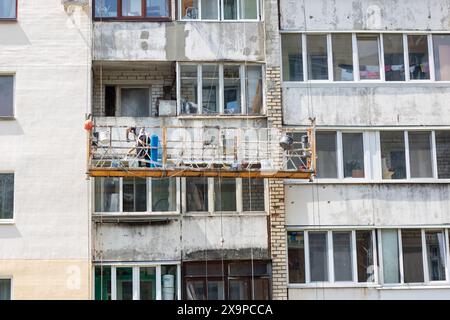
(134,216)
(220,21)
(226,214)
(221,116)
(323,285)
(8,19)
(363,83)
(132,19)
(7,118)
(6,221)
(327,285)
(364,181)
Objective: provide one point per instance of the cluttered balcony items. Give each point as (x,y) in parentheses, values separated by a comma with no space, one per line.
(200,151)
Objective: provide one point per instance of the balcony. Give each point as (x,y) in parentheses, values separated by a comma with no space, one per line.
(208,151)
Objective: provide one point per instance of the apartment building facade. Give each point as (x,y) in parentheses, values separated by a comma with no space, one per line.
(160,67)
(375,76)
(44,90)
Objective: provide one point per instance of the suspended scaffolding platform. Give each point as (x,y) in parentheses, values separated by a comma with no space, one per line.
(119,151)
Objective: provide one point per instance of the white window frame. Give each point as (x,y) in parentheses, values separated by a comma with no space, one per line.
(211,200)
(136,277)
(331,280)
(131,86)
(220,11)
(13,75)
(340,158)
(433,158)
(148,212)
(11,284)
(221,89)
(427,281)
(11,220)
(355,55)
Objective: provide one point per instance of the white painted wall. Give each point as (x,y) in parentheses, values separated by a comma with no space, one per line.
(45,146)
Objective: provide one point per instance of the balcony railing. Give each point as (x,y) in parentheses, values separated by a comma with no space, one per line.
(200,151)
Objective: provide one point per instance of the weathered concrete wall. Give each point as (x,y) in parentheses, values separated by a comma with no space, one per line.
(366,105)
(242,236)
(187,238)
(136,242)
(369,294)
(365,14)
(48,50)
(179,41)
(367,204)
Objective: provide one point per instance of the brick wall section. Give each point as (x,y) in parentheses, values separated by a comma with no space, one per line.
(276,192)
(154,76)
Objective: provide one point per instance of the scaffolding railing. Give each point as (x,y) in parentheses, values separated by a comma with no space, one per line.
(201,150)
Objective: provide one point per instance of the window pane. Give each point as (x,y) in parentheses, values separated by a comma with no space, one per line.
(134,194)
(225,194)
(394,60)
(210,103)
(197,194)
(169,282)
(420,154)
(210,10)
(147,283)
(435,240)
(248,269)
(110,101)
(6,195)
(261,289)
(8,9)
(389,242)
(342,256)
(124,283)
(188,89)
(107,194)
(230,9)
(5,289)
(419,67)
(216,290)
(296,256)
(326,154)
(393,163)
(441,44)
(292,57)
(364,256)
(253,194)
(189,9)
(232,89)
(105,8)
(195,290)
(240,289)
(135,102)
(6,96)
(368,52)
(131,8)
(254,89)
(353,151)
(342,57)
(317,57)
(412,255)
(443,153)
(102,283)
(249,9)
(157,8)
(164,194)
(318,256)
